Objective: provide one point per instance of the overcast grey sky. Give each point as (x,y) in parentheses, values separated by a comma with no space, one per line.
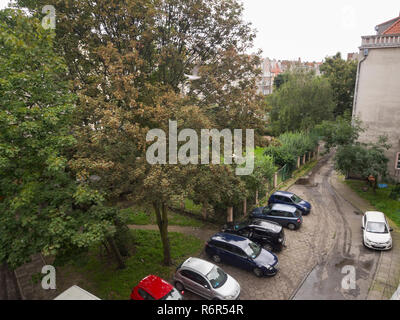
(312,29)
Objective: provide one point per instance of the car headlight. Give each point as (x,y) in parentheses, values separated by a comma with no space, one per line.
(269,267)
(232,297)
(280,240)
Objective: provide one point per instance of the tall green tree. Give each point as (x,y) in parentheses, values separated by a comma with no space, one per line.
(342,77)
(301,103)
(44,208)
(129,60)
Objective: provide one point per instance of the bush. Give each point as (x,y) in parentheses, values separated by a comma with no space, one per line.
(293,145)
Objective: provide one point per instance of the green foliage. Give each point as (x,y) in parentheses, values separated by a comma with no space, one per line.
(341,75)
(264,169)
(281,79)
(340,132)
(44,209)
(301,103)
(292,146)
(379,198)
(104,281)
(362,160)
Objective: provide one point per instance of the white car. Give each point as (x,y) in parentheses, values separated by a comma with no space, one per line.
(376,231)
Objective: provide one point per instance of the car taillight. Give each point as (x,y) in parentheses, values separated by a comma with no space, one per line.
(206,244)
(298,220)
(183,292)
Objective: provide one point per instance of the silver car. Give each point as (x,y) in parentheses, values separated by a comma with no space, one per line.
(206,280)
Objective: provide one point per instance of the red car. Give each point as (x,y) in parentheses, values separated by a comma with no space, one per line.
(155,288)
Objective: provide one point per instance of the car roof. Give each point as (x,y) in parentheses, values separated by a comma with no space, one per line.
(283,207)
(239,241)
(375,216)
(258,223)
(283,193)
(157,287)
(201,266)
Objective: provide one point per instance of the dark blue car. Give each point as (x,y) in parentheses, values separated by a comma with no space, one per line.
(283,197)
(242,253)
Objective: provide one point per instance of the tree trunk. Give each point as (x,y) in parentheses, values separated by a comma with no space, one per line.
(117,254)
(257,201)
(204,211)
(245,207)
(230,215)
(162,222)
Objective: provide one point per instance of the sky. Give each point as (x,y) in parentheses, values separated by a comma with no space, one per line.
(312,29)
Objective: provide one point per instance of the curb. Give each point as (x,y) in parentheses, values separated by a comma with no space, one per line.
(296,290)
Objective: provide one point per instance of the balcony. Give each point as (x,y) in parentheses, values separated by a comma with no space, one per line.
(381,41)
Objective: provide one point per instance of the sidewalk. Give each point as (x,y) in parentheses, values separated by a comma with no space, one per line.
(387,277)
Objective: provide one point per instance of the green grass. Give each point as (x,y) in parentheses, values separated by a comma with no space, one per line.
(142,216)
(105,281)
(380,200)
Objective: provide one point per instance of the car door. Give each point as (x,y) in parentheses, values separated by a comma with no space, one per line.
(261,236)
(194,283)
(240,259)
(276,216)
(202,286)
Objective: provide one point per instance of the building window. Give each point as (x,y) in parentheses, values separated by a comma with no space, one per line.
(398,161)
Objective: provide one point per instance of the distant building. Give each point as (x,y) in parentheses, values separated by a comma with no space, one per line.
(271,68)
(352,56)
(377,96)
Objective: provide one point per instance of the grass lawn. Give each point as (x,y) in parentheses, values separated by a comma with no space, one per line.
(380,200)
(143,216)
(99,274)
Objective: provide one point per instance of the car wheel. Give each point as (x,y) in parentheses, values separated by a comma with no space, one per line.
(216,258)
(179,286)
(291,226)
(258,272)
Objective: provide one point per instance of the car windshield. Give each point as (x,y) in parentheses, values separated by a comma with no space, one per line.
(377,227)
(296,199)
(217,277)
(253,250)
(172,295)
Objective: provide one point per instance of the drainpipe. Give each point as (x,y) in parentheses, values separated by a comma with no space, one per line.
(357,85)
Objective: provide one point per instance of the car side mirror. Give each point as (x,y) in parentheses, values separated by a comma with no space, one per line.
(391,230)
(362,228)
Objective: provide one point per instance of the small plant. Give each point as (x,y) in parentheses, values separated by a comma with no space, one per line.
(395,194)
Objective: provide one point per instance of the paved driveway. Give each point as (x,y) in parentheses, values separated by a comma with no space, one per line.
(306,247)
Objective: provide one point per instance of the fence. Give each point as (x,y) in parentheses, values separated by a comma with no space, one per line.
(285,173)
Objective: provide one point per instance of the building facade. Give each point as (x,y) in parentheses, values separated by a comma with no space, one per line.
(377,96)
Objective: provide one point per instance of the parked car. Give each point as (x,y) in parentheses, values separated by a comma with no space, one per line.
(267,234)
(206,280)
(155,288)
(289,198)
(242,253)
(376,231)
(285,215)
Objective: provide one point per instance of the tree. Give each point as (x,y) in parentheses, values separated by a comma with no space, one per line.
(44,208)
(341,75)
(363,160)
(281,79)
(301,103)
(340,132)
(128,61)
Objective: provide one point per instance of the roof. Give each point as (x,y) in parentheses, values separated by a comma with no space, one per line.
(284,207)
(201,266)
(157,287)
(232,239)
(375,216)
(386,22)
(270,225)
(394,28)
(283,193)
(76,293)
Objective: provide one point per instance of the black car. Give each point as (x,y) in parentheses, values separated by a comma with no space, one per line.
(267,234)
